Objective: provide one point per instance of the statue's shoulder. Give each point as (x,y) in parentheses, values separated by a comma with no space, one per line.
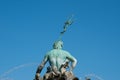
(65,51)
(54,51)
(50,52)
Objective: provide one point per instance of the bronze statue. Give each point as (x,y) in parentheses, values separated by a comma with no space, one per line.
(59,61)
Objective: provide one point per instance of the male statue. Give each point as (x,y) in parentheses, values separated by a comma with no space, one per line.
(56,58)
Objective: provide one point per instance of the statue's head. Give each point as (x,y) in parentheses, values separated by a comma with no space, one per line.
(58,44)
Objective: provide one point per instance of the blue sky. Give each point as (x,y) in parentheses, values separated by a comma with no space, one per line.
(28,29)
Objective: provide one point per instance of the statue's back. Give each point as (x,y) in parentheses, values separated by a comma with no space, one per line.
(57,57)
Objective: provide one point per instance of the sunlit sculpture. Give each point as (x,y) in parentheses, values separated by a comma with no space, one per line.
(59,62)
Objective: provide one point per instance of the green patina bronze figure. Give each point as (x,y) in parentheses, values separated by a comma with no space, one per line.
(56,58)
(59,61)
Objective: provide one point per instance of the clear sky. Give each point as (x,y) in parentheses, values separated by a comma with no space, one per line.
(28,29)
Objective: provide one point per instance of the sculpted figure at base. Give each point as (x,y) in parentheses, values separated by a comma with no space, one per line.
(59,60)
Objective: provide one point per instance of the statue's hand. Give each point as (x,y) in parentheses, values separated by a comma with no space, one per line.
(37,76)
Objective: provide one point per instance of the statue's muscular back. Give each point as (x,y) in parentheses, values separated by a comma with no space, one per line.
(57,57)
